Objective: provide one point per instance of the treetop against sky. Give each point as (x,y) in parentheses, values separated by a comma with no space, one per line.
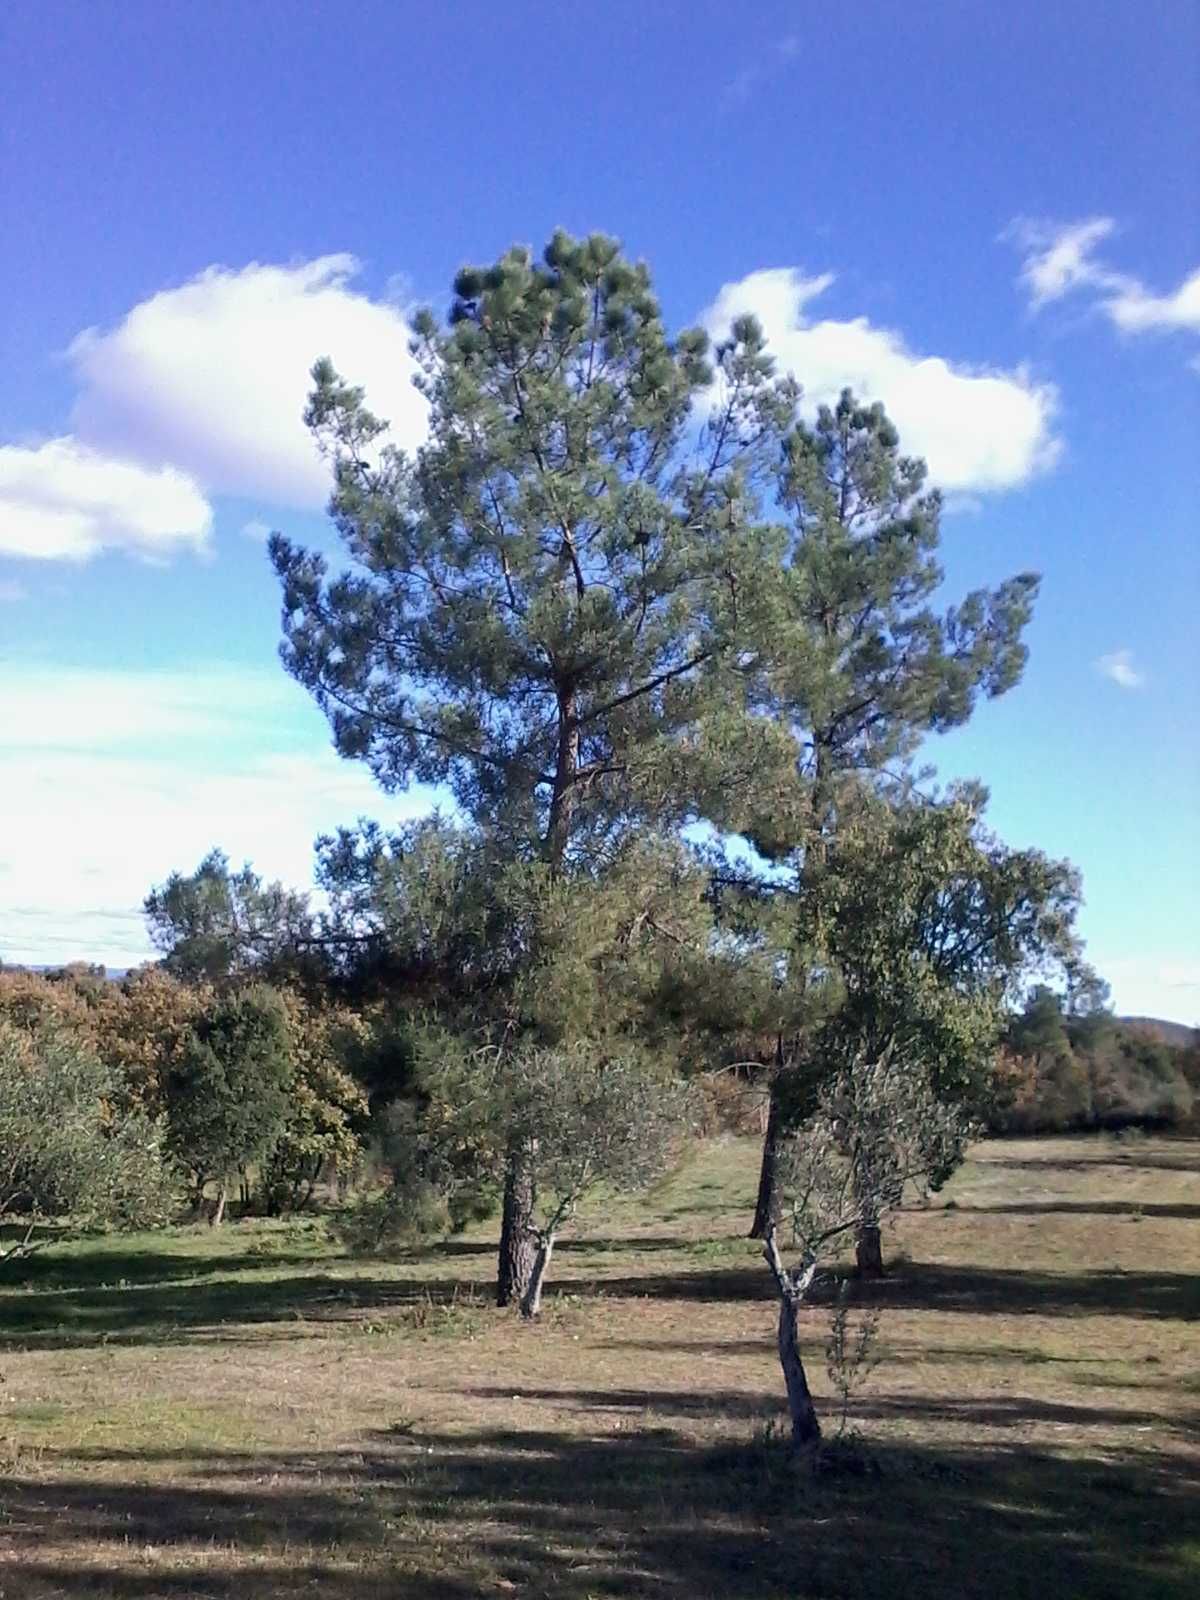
(989,222)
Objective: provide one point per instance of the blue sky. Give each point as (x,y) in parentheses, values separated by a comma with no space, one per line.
(987,217)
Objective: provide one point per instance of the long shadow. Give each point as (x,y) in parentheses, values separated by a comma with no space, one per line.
(1084,1208)
(1009,1411)
(1185,1161)
(586,1245)
(163,1314)
(108,1268)
(937,1287)
(639,1514)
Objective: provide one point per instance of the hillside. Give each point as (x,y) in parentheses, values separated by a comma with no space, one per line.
(1177,1034)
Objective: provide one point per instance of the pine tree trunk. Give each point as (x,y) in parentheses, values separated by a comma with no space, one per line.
(531,1300)
(806,1430)
(218,1216)
(869,1251)
(766,1209)
(517,1239)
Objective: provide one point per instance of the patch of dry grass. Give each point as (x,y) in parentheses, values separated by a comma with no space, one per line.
(202,1415)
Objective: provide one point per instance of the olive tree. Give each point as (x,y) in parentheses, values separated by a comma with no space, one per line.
(584,1121)
(877,1129)
(581,1117)
(67,1153)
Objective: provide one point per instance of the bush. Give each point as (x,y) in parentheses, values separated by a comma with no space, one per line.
(227,1090)
(68,1152)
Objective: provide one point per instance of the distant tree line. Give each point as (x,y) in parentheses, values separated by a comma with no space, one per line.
(1059,1072)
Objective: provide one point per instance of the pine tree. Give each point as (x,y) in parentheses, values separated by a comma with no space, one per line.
(863,666)
(546,605)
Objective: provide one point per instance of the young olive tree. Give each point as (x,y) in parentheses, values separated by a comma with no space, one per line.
(584,1121)
(876,1129)
(545,608)
(67,1154)
(581,1117)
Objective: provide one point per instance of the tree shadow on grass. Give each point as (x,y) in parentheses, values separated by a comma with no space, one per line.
(107,1268)
(201,1308)
(934,1286)
(204,1309)
(1081,1208)
(991,1411)
(644,1514)
(1187,1160)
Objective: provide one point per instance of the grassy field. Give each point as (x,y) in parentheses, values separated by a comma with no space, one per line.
(247,1413)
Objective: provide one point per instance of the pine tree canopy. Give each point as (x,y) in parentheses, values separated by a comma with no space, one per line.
(552,598)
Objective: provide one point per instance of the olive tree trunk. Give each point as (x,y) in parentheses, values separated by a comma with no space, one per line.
(218,1213)
(792,1288)
(531,1300)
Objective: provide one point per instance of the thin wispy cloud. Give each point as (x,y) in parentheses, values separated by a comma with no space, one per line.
(1062,259)
(1118,666)
(774,61)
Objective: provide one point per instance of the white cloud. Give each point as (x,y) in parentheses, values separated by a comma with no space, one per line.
(771,62)
(111,780)
(68,709)
(213,376)
(62,500)
(980,430)
(1136,310)
(1060,258)
(257,530)
(1118,665)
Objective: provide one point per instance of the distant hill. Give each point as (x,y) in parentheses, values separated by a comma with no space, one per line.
(1172,1033)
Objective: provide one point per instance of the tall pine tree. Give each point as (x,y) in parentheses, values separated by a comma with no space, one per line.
(546,604)
(863,665)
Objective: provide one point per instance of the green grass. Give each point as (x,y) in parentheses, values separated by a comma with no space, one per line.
(249,1413)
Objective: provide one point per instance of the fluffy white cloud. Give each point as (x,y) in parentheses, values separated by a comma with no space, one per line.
(63,500)
(979,430)
(1118,665)
(1061,258)
(213,376)
(111,780)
